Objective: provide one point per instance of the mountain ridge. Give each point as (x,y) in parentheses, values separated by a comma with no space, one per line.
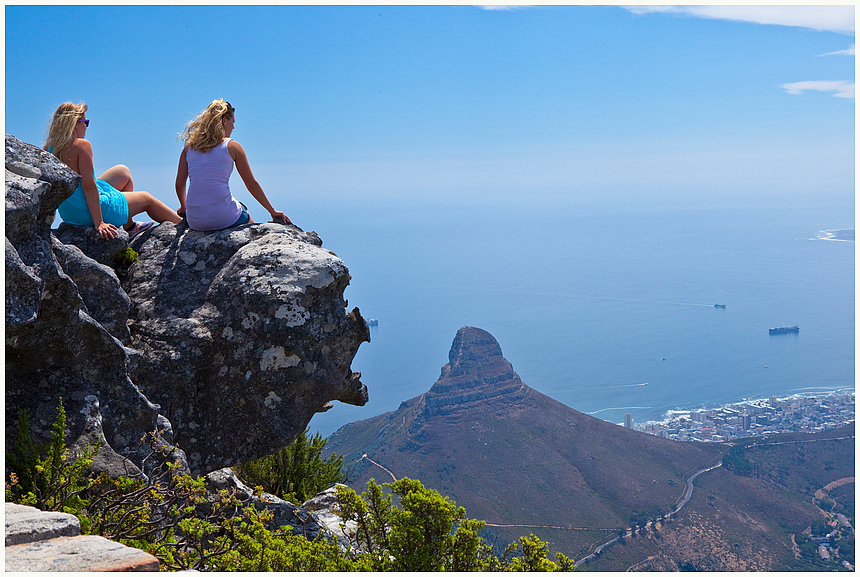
(515,441)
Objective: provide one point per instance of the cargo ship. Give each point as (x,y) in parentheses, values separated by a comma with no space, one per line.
(784,330)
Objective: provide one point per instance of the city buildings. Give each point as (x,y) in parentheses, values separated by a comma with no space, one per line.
(794,414)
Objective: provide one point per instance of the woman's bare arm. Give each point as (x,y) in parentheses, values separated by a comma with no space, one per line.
(244,168)
(181,180)
(82,151)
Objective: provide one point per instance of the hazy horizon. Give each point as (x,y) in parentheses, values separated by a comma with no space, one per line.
(461,104)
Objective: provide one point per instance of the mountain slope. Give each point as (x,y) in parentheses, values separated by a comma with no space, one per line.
(513,456)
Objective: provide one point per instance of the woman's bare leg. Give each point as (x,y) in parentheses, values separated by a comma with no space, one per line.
(141,201)
(119,177)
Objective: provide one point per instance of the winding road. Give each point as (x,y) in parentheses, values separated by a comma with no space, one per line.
(687,494)
(686,497)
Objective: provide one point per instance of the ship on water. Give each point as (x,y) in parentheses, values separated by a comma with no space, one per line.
(784,330)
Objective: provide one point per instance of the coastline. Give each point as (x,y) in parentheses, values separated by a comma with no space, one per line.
(841,235)
(799,412)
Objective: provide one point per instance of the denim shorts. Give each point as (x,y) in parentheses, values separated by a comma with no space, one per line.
(243,218)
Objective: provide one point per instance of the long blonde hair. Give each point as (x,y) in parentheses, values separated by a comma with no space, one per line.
(206,131)
(63,124)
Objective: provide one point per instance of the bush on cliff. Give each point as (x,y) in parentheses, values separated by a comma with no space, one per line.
(46,476)
(171,518)
(297,472)
(429,532)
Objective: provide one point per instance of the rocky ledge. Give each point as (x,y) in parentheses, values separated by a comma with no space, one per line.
(225,344)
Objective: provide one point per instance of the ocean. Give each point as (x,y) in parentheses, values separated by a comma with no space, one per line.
(609,310)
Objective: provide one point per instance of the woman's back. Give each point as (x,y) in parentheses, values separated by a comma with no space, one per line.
(210,206)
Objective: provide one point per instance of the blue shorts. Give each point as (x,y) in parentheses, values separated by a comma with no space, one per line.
(243,218)
(74,210)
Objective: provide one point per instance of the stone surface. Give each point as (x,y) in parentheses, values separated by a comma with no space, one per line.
(225,344)
(316,516)
(226,480)
(28,524)
(324,506)
(54,347)
(83,553)
(91,244)
(98,287)
(287,516)
(244,336)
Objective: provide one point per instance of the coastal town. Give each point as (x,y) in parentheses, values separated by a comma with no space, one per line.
(795,414)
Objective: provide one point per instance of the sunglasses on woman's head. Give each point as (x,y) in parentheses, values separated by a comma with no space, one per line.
(85,121)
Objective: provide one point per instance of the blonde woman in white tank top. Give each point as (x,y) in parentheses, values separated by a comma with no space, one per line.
(207,161)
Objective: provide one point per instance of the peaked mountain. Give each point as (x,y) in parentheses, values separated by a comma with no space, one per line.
(518,459)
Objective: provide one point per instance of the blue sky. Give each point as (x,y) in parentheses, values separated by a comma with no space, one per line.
(459,103)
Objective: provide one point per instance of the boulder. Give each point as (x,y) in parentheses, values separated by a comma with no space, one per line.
(85,553)
(87,239)
(325,506)
(27,524)
(316,517)
(244,336)
(54,347)
(225,344)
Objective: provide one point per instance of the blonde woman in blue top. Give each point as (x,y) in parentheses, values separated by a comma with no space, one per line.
(106,202)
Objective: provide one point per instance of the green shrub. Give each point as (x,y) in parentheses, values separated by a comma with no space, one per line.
(124,259)
(168,515)
(428,532)
(297,472)
(170,518)
(47,476)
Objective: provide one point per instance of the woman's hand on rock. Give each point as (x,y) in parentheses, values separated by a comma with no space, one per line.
(106,230)
(278,216)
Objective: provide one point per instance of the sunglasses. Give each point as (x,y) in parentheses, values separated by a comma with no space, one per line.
(85,121)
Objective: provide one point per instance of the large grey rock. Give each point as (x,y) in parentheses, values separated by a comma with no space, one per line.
(286,516)
(226,480)
(325,506)
(244,336)
(87,239)
(99,288)
(54,347)
(106,460)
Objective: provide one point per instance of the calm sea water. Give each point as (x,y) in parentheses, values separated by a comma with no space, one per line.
(607,311)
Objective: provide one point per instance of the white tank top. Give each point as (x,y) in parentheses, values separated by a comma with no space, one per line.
(209,204)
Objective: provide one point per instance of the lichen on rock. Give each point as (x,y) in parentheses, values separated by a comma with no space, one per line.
(245,330)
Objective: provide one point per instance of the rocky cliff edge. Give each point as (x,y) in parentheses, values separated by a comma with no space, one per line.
(224,343)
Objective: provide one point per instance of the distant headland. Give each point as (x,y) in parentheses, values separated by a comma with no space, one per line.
(844,234)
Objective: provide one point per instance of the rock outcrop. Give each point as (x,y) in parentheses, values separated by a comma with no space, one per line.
(476,372)
(243,334)
(225,343)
